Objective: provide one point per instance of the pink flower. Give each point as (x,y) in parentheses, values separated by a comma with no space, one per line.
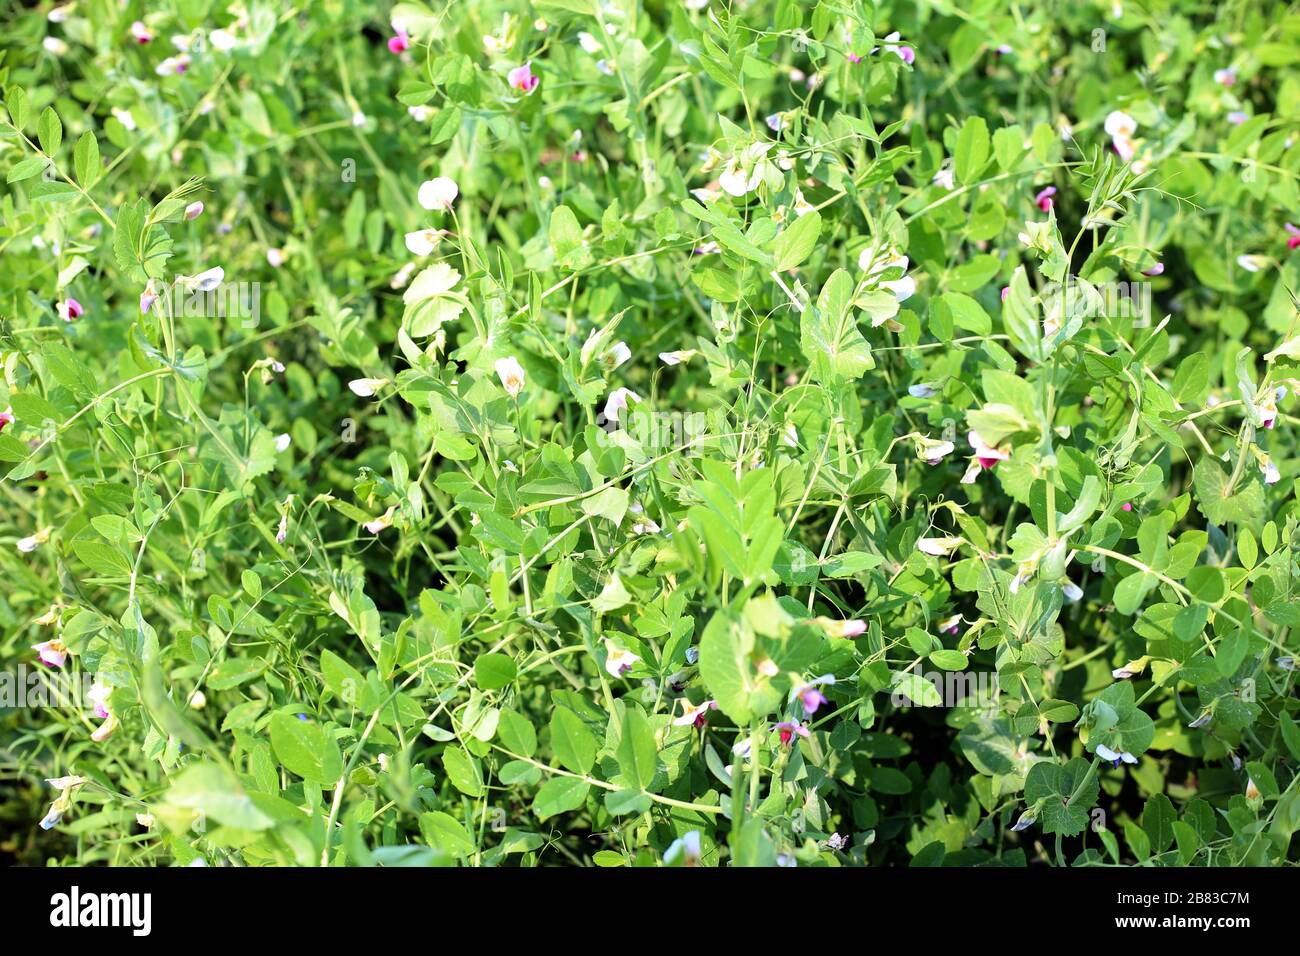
(1126,506)
(985,457)
(140,32)
(521,78)
(810,696)
(70,309)
(854,58)
(1293,240)
(1044,199)
(850,628)
(53,653)
(7,418)
(1006,291)
(194,210)
(1155,270)
(400,43)
(789,729)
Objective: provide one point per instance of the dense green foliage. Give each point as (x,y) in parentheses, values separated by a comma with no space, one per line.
(572,432)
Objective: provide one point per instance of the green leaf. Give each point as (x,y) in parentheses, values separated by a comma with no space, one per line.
(915,688)
(463,771)
(1158,822)
(573,744)
(797,241)
(829,334)
(306,749)
(17,103)
(1066,793)
(26,169)
(637,753)
(560,795)
(1221,504)
(214,792)
(444,832)
(494,671)
(85,160)
(1130,591)
(49,130)
(972,150)
(725,665)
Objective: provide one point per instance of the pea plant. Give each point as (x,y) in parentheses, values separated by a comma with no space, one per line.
(680,433)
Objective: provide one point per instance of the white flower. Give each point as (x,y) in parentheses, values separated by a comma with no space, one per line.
(422,242)
(198,700)
(944,177)
(1105,753)
(282,442)
(420,113)
(692,714)
(61,13)
(1119,123)
(1253,263)
(746,170)
(871,262)
(275,257)
(359,119)
(124,117)
(588,43)
(933,452)
(939,547)
(173,65)
(618,661)
(223,40)
(511,374)
(56,46)
(684,851)
(1037,236)
(30,543)
(1271,475)
(923,390)
(365,387)
(678,357)
(402,276)
(438,194)
(617,402)
(1073,592)
(205,281)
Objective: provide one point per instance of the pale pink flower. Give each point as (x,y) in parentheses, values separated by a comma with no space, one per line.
(521,78)
(54,653)
(617,402)
(382,523)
